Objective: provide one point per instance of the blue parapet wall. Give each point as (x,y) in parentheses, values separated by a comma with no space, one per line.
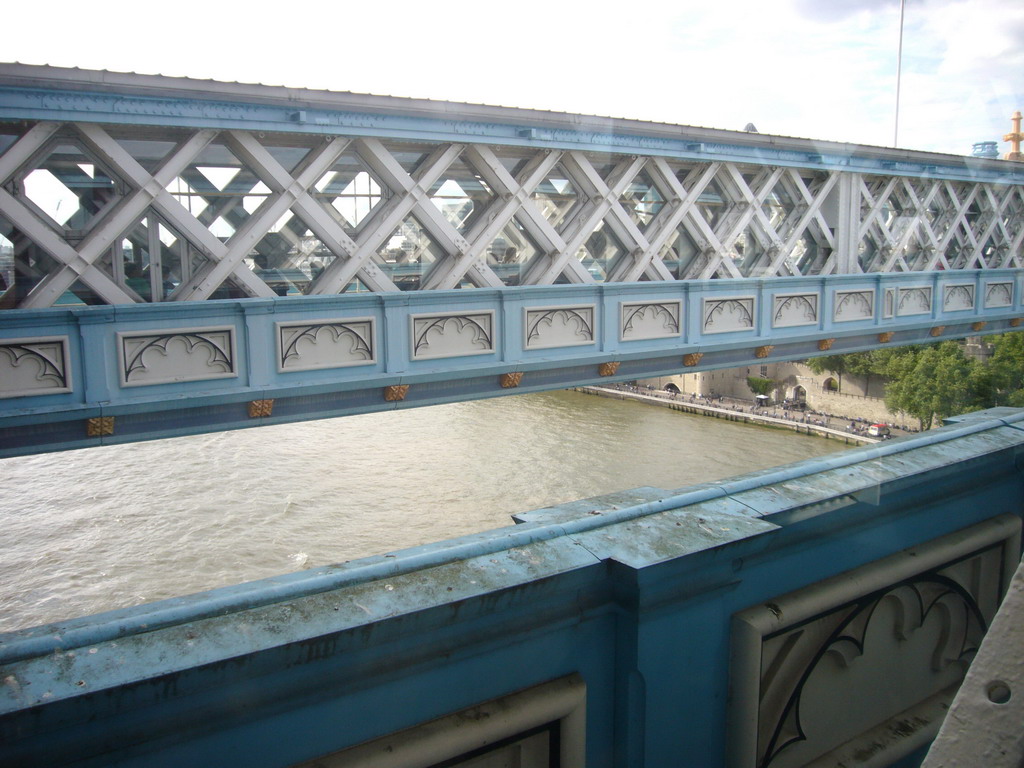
(637,625)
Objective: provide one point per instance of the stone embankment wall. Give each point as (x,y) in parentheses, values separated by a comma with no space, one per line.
(859,398)
(855,407)
(729,413)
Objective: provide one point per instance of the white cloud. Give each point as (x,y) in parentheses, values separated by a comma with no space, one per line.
(837,10)
(798,67)
(964,73)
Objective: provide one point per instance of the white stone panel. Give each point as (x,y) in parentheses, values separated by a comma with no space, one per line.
(326,344)
(725,315)
(808,666)
(452,335)
(650,321)
(795,309)
(183,354)
(853,305)
(914,301)
(958,298)
(998,295)
(36,366)
(547,327)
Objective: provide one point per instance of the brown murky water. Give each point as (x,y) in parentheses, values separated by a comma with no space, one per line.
(91,530)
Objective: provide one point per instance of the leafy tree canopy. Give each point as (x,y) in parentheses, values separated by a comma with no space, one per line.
(853,364)
(760,386)
(1006,371)
(930,383)
(933,382)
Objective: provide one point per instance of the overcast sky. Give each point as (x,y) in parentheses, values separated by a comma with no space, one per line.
(823,69)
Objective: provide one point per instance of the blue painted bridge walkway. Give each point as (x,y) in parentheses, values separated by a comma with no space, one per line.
(181,256)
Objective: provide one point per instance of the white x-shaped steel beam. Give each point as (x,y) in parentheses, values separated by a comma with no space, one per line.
(619,222)
(689,216)
(583,221)
(534,223)
(169,209)
(957,227)
(287,193)
(753,198)
(511,195)
(415,192)
(996,215)
(680,202)
(746,203)
(38,231)
(410,198)
(1016,238)
(909,226)
(79,264)
(888,255)
(805,217)
(984,227)
(928,240)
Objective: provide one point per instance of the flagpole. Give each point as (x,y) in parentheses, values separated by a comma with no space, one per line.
(899,73)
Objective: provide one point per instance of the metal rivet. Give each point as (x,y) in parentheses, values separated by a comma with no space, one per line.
(998,692)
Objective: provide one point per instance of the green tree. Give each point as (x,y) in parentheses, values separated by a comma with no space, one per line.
(852,364)
(760,386)
(1002,382)
(895,362)
(861,364)
(930,383)
(832,363)
(983,388)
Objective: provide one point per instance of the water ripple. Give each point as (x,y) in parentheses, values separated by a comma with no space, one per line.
(108,527)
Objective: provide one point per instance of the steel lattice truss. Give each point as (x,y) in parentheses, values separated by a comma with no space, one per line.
(92,214)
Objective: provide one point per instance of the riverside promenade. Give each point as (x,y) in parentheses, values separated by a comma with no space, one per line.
(833,428)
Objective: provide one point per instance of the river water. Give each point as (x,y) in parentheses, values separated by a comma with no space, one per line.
(102,528)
